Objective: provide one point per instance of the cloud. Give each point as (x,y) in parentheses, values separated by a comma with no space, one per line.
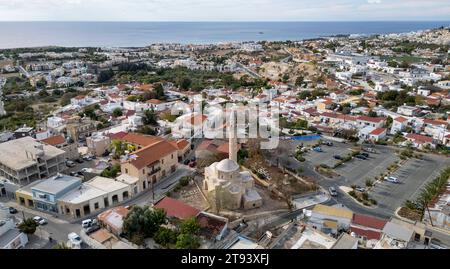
(223,10)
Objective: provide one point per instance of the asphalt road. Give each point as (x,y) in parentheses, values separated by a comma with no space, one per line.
(412,177)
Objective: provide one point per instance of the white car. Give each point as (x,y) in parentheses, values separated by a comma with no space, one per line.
(391,179)
(75,240)
(40,220)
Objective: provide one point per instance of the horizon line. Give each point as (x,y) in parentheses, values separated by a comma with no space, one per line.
(227,21)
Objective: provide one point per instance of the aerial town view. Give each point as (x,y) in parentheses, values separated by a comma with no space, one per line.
(225,136)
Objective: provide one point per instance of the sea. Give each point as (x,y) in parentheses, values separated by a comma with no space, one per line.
(140,34)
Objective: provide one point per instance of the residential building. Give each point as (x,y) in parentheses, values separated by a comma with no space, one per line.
(92,196)
(420,141)
(330,219)
(112,219)
(367,228)
(395,236)
(399,124)
(47,192)
(10,236)
(67,145)
(376,122)
(25,160)
(98,144)
(23,132)
(409,111)
(155,159)
(346,241)
(176,209)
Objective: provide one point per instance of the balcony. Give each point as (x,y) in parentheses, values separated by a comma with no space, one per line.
(154,171)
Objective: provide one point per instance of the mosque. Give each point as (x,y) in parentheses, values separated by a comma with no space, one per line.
(229,187)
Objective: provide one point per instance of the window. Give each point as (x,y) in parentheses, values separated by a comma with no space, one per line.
(96,206)
(126,171)
(162,161)
(143,171)
(172,156)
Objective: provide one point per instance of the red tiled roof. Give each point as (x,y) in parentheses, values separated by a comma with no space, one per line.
(155,101)
(180,144)
(152,153)
(225,148)
(194,120)
(401,119)
(213,226)
(54,140)
(435,122)
(139,139)
(420,138)
(369,234)
(117,136)
(378,131)
(368,221)
(177,209)
(371,119)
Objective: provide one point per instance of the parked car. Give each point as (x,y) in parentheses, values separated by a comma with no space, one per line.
(87,158)
(391,179)
(371,150)
(74,240)
(192,164)
(318,149)
(91,229)
(333,191)
(40,220)
(361,157)
(365,154)
(79,160)
(12,210)
(360,189)
(337,157)
(88,223)
(70,164)
(186,162)
(328,143)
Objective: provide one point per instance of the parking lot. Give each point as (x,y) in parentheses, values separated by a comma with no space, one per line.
(356,171)
(327,155)
(412,177)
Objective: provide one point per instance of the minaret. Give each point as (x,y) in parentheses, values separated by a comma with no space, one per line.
(232,147)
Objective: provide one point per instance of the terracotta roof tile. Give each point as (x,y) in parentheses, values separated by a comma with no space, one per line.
(177,209)
(54,140)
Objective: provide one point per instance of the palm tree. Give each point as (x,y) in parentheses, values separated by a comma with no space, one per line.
(61,245)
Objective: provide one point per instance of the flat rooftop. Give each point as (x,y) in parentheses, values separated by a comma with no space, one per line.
(56,184)
(82,194)
(106,184)
(14,152)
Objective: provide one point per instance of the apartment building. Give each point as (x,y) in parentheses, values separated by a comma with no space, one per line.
(26,159)
(155,159)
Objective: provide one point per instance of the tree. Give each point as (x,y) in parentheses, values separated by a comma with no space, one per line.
(304,95)
(105,76)
(28,226)
(143,221)
(187,241)
(118,148)
(111,172)
(147,130)
(150,117)
(61,245)
(117,112)
(299,81)
(190,226)
(159,92)
(165,237)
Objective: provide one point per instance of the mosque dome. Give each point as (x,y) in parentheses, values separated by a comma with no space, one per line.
(227,165)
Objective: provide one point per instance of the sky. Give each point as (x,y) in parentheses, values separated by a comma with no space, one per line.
(224,10)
